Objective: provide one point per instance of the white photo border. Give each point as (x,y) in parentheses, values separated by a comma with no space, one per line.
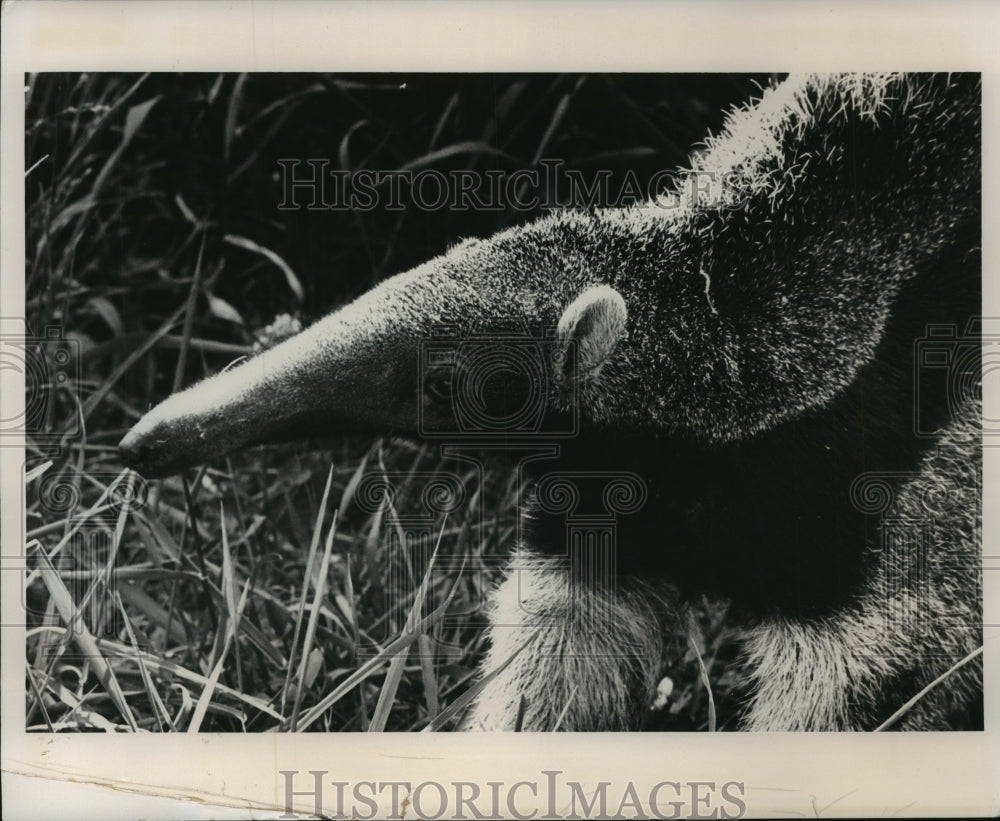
(923,774)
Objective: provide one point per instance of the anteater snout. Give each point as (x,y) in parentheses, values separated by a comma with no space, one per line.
(136,451)
(154,454)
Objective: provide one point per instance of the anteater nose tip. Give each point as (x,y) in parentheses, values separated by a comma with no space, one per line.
(131,449)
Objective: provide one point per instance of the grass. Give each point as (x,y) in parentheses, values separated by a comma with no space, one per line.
(270,592)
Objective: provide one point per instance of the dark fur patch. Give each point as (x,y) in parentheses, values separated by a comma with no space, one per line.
(768,521)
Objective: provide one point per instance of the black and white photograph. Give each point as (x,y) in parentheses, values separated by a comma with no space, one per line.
(504,402)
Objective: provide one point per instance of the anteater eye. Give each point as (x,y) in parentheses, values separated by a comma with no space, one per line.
(439,387)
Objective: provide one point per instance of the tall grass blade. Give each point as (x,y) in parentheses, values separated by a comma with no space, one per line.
(83,638)
(313,619)
(306,577)
(395,672)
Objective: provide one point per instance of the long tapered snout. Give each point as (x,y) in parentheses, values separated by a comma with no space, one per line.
(212,418)
(364,368)
(246,405)
(356,371)
(316,383)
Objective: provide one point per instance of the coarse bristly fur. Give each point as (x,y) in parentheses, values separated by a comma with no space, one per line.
(572,665)
(751,358)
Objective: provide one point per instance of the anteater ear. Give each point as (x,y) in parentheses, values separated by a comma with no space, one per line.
(595,323)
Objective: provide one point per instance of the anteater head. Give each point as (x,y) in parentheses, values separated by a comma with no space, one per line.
(463,345)
(715,321)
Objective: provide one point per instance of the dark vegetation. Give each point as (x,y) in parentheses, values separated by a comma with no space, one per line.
(156,249)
